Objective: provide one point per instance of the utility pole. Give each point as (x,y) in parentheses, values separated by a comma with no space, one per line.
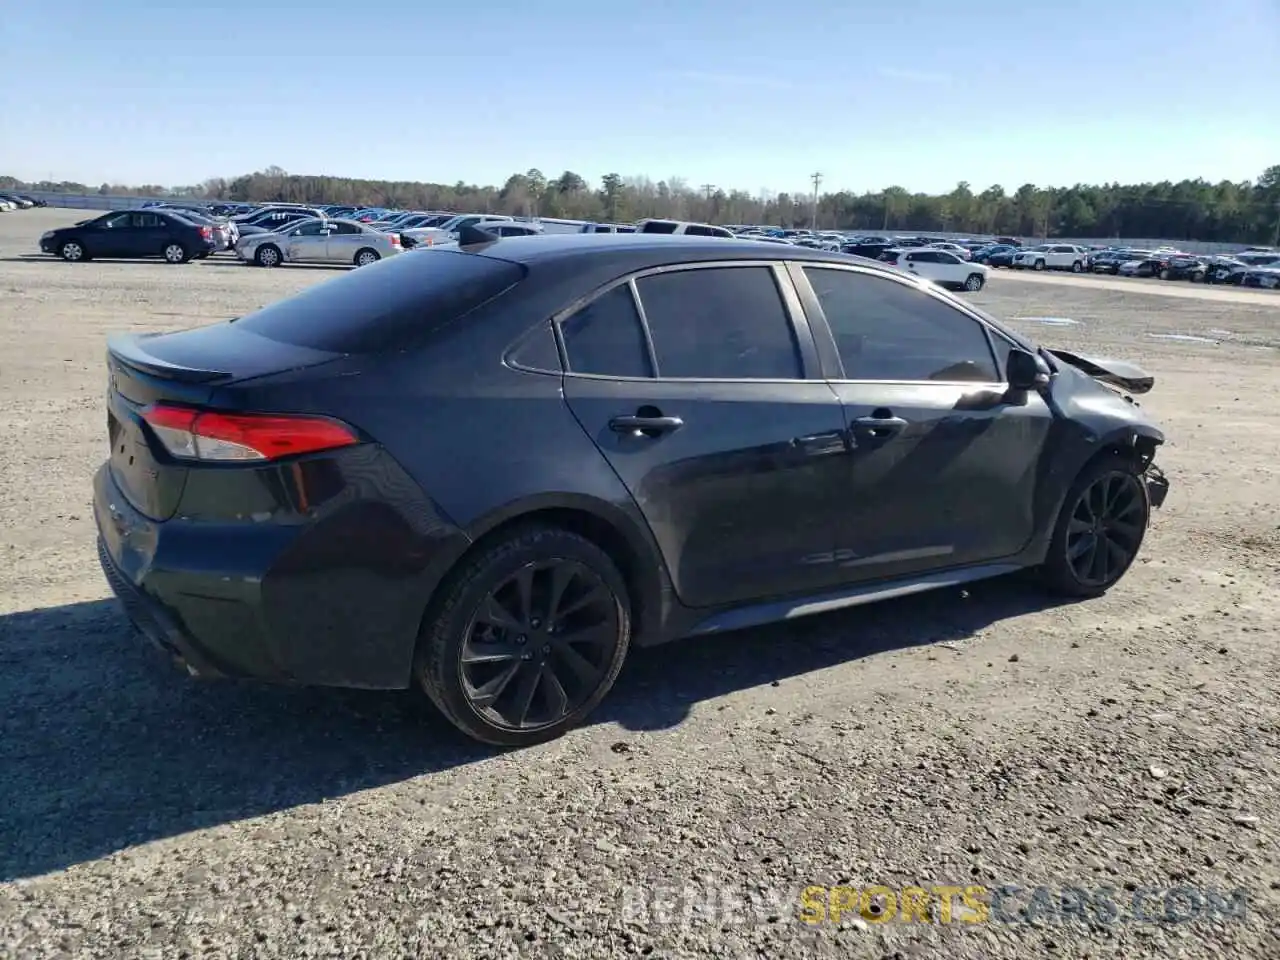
(1275,237)
(817,179)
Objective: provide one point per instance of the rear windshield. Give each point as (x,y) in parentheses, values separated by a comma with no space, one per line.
(385,305)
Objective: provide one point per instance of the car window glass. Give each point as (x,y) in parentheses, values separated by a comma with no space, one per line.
(886,330)
(116,222)
(659,226)
(605,337)
(719,323)
(314,229)
(345,229)
(942,257)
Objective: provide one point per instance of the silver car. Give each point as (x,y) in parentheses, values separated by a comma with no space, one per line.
(319,241)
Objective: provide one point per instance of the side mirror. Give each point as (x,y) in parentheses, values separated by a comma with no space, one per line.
(1026,371)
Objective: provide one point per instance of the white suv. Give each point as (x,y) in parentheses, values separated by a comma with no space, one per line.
(1051,256)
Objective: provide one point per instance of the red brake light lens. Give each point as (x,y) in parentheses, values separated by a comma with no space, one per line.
(192,434)
(395,239)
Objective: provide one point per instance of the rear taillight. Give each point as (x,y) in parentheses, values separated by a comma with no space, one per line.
(191,434)
(206,232)
(395,239)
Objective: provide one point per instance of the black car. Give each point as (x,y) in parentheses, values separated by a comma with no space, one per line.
(995,255)
(1184,268)
(1109,261)
(130,234)
(488,471)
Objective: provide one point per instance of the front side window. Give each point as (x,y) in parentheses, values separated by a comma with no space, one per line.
(885,330)
(606,338)
(721,323)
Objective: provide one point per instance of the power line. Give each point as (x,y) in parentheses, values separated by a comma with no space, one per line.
(817,179)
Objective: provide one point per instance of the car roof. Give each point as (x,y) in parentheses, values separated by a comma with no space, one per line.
(634,251)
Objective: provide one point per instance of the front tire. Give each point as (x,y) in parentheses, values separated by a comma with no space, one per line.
(974,282)
(267,255)
(1099,530)
(1039,265)
(527,638)
(1077,267)
(72,251)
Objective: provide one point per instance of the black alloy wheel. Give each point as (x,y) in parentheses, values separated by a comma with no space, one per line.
(1100,530)
(529,638)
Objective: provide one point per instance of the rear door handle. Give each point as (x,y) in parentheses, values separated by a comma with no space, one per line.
(878,428)
(647,426)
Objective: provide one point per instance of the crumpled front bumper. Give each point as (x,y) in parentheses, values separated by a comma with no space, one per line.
(1157,485)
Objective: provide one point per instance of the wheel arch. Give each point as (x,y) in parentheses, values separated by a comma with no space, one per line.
(606,525)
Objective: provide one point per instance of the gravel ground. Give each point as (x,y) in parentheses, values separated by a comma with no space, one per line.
(975,737)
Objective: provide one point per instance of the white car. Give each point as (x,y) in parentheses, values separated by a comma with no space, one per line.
(319,241)
(655,225)
(944,268)
(1051,256)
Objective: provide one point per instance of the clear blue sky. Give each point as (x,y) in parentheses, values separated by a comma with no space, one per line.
(755,94)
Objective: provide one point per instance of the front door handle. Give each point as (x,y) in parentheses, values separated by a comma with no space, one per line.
(820,444)
(645,426)
(878,428)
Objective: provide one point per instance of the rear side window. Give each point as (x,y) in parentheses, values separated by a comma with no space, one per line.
(605,337)
(387,304)
(720,323)
(659,226)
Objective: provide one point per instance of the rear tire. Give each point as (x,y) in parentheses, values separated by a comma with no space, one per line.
(1099,530)
(1077,267)
(366,256)
(974,282)
(502,634)
(1164,275)
(1039,265)
(175,253)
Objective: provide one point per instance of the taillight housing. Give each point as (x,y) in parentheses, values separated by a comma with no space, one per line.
(395,239)
(189,433)
(206,232)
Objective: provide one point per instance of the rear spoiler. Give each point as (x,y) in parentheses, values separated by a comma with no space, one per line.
(126,349)
(1116,373)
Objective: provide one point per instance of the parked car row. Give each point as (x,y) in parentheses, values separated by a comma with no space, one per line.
(18,201)
(272,234)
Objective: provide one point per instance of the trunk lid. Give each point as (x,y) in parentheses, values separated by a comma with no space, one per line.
(182,368)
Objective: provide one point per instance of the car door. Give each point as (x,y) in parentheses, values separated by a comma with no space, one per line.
(943,469)
(307,242)
(149,232)
(344,240)
(949,268)
(922,263)
(109,236)
(708,403)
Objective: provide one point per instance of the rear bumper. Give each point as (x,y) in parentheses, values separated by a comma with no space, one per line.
(332,597)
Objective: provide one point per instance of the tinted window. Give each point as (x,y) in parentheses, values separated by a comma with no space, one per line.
(724,323)
(387,304)
(539,350)
(944,257)
(659,226)
(696,231)
(115,222)
(605,337)
(886,330)
(313,229)
(344,228)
